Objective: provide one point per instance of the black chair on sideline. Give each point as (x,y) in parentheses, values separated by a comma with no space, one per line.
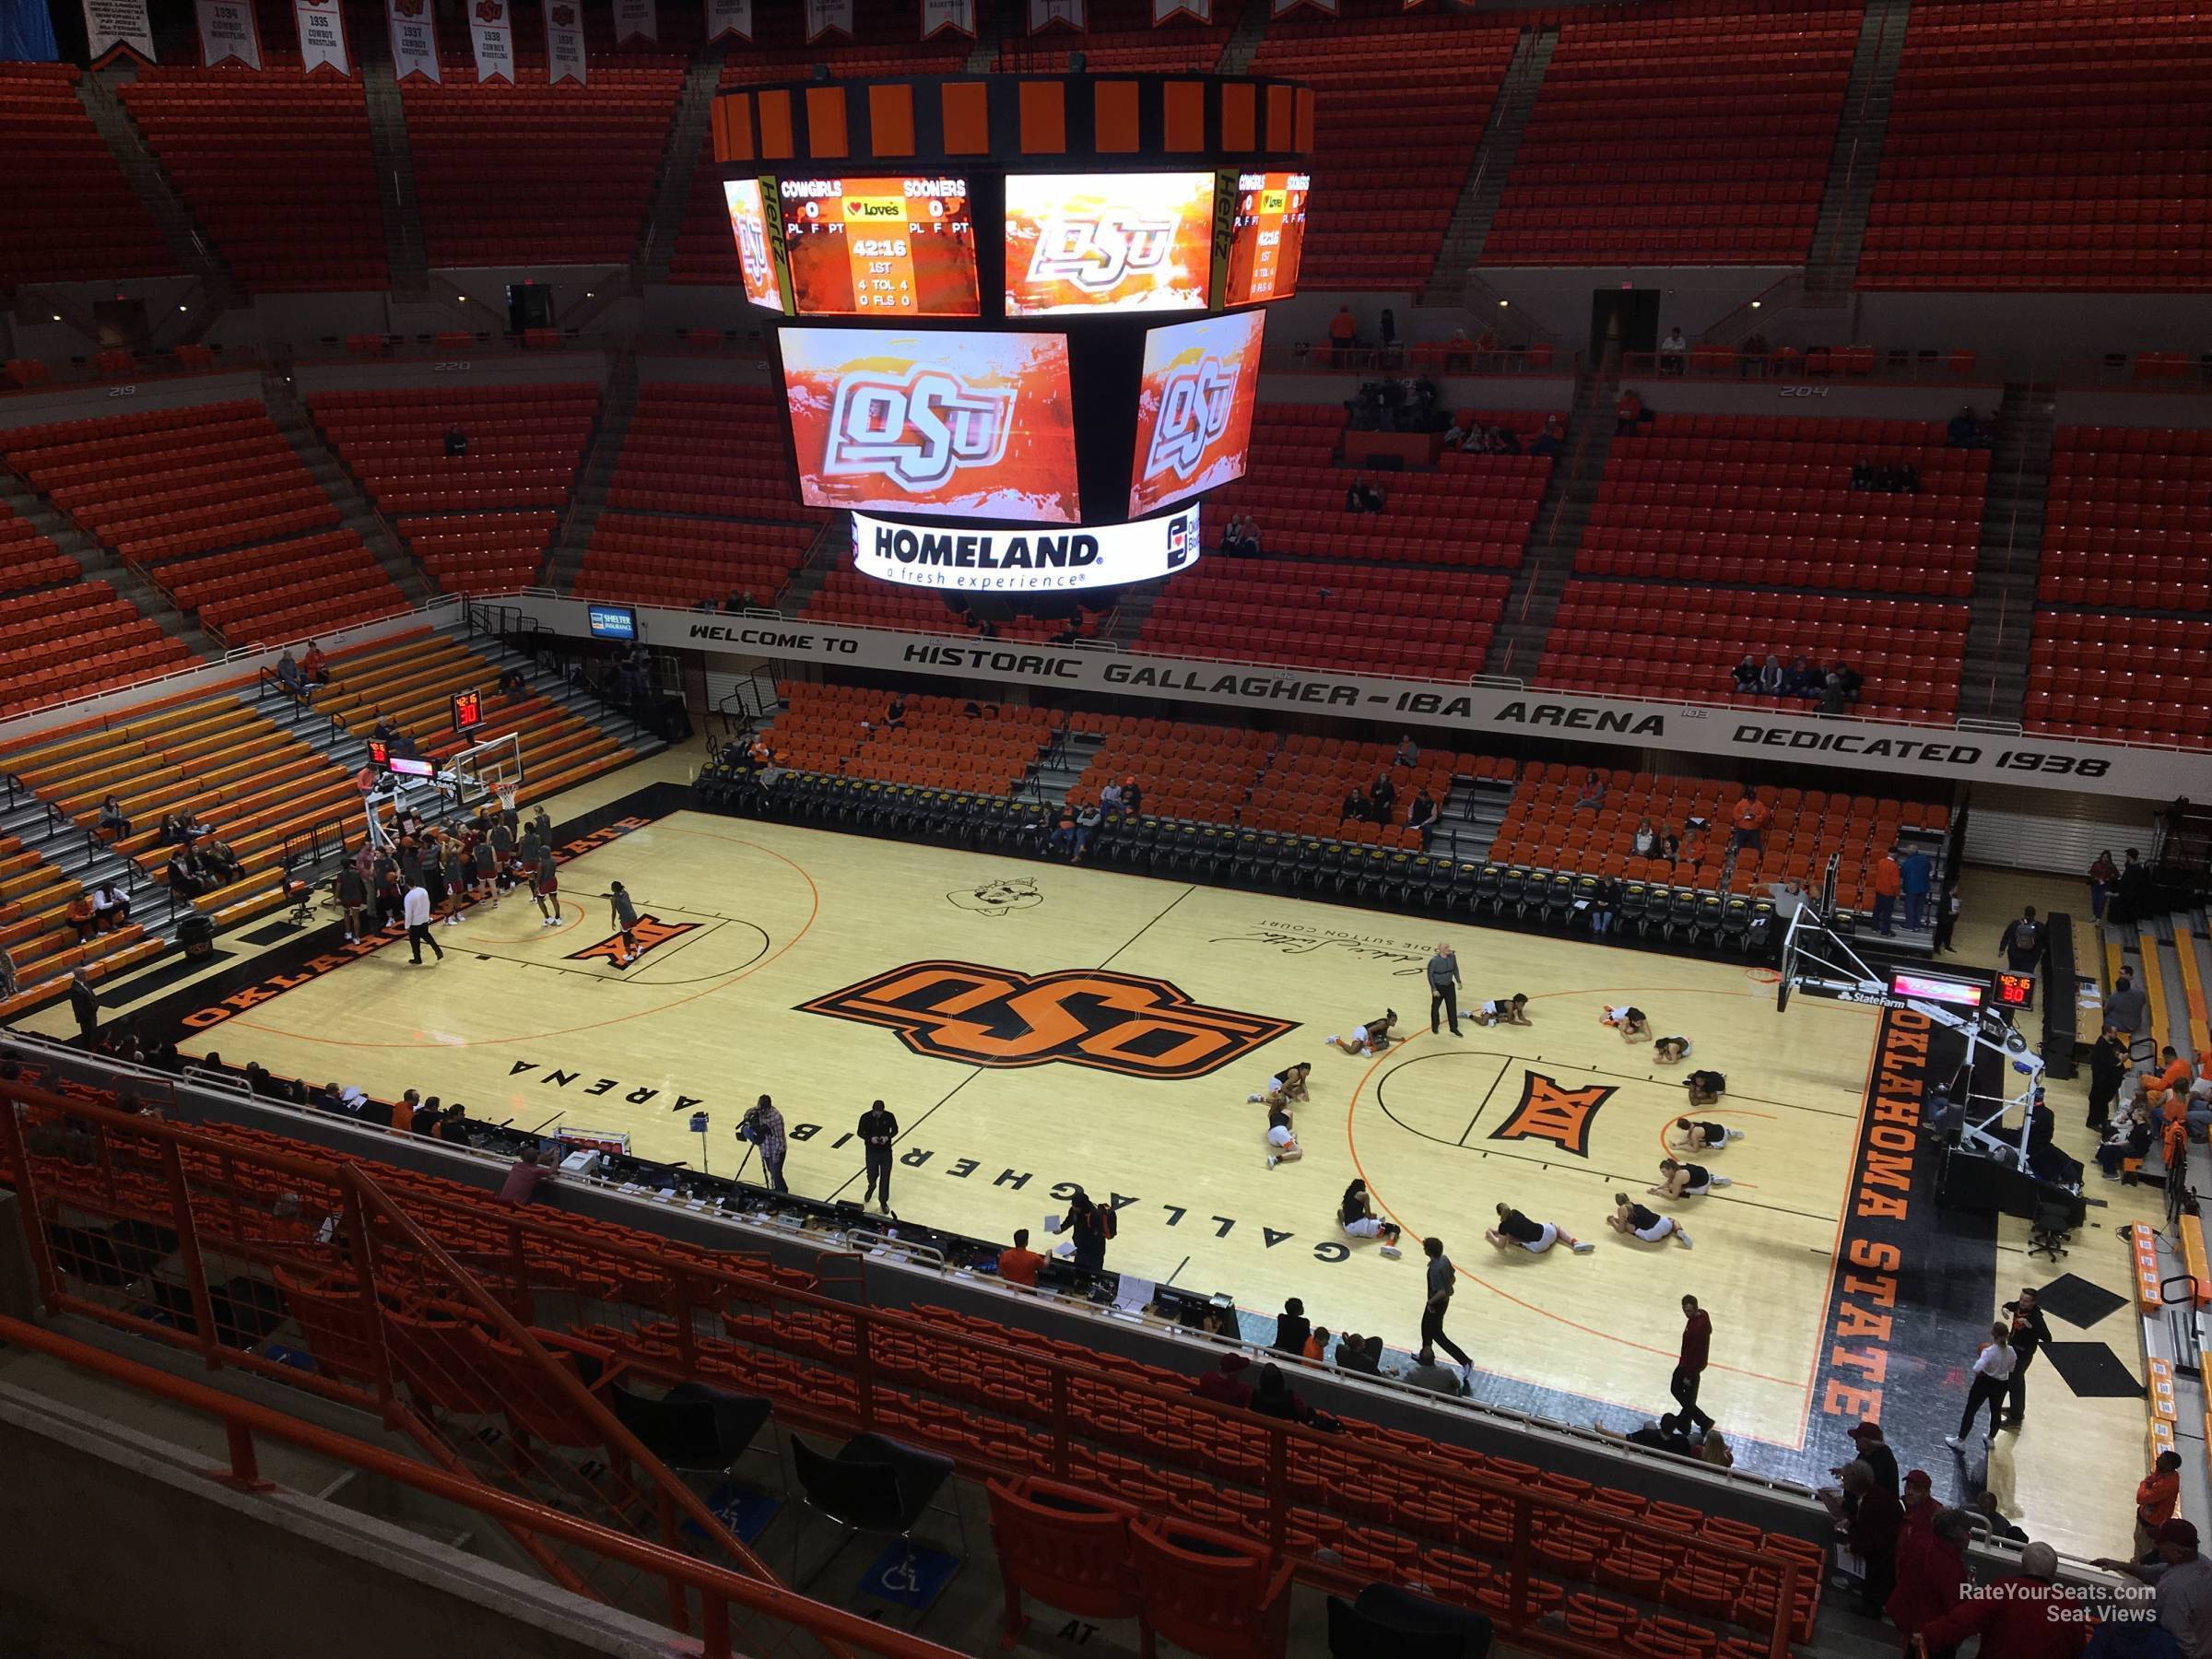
(875,1484)
(693,1428)
(1387,1622)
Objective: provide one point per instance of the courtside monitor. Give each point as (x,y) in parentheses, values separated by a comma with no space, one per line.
(1193,409)
(1267,237)
(612,621)
(880,247)
(403,767)
(957,424)
(1926,987)
(1133,242)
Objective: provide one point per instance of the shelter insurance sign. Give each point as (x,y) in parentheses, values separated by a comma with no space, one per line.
(1475,712)
(1029,558)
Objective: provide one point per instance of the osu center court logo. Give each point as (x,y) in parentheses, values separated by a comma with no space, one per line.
(1128,1023)
(651,934)
(1550,1110)
(917,430)
(1193,411)
(1095,254)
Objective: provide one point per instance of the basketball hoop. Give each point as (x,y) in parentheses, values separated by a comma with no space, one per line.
(506,794)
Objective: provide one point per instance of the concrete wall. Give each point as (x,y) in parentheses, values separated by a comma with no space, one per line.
(2037,333)
(1670,395)
(1694,297)
(2188,410)
(102,402)
(1454,391)
(498,367)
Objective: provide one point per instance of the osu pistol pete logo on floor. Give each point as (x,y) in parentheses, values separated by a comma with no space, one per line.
(1129,1023)
(651,933)
(1550,1110)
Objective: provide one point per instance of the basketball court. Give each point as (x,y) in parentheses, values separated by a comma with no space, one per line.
(1037,1025)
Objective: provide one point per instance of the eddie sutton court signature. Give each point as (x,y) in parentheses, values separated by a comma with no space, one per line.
(1291,942)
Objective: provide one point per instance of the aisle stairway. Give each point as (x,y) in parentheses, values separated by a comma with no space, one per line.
(1556,533)
(1841,230)
(1493,164)
(1995,674)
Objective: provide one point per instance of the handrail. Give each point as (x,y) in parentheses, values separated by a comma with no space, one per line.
(718,1588)
(1071,1379)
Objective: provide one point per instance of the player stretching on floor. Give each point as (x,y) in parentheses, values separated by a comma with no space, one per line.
(1699,1136)
(1678,1179)
(1706,1088)
(623,915)
(1369,1039)
(1356,1216)
(1287,1088)
(1506,1010)
(1516,1231)
(1637,1222)
(1671,1051)
(1282,1143)
(1632,1023)
(545,885)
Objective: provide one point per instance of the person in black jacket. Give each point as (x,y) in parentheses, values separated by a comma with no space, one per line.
(84,1002)
(879,1128)
(1291,1329)
(1091,1225)
(2108,1071)
(2028,1333)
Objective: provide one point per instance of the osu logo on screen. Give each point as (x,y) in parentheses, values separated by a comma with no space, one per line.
(753,245)
(1193,411)
(917,431)
(1095,254)
(999,1017)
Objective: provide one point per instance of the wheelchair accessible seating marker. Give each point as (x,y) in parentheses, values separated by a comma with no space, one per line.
(745,1511)
(908,1578)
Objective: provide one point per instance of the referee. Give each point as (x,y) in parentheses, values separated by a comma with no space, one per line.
(878,1129)
(1443,988)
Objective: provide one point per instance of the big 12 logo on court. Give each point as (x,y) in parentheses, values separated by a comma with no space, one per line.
(1195,408)
(1097,253)
(916,429)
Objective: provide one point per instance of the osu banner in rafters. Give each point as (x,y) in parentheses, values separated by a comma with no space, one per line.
(228,33)
(414,40)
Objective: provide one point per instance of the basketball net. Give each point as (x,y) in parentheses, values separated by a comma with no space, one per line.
(506,794)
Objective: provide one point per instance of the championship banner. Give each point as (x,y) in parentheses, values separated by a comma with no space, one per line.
(322,35)
(229,34)
(1167,11)
(117,25)
(414,40)
(1278,7)
(491,34)
(637,20)
(729,18)
(828,17)
(938,16)
(1043,13)
(564,42)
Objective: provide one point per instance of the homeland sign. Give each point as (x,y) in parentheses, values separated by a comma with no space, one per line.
(1042,558)
(1472,713)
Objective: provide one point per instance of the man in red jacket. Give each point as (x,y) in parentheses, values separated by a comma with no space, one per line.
(2022,1618)
(1689,1367)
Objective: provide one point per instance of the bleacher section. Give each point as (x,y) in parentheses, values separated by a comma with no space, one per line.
(274,167)
(1401,102)
(1367,1503)
(411,681)
(67,637)
(70,214)
(1472,510)
(1421,624)
(1740,498)
(1691,133)
(700,506)
(38,936)
(937,746)
(2132,678)
(1654,640)
(2060,146)
(215,507)
(539,175)
(478,522)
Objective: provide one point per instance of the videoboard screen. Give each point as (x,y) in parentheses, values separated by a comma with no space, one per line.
(756,261)
(1267,238)
(880,247)
(960,424)
(1193,409)
(1108,241)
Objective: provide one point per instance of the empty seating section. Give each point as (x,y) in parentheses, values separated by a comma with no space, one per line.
(67,637)
(216,507)
(275,168)
(71,216)
(1421,624)
(478,522)
(1369,1502)
(2127,523)
(411,681)
(1401,102)
(937,745)
(650,559)
(2131,678)
(1546,827)
(1472,511)
(539,175)
(1120,39)
(2060,146)
(1689,134)
(1738,498)
(1636,640)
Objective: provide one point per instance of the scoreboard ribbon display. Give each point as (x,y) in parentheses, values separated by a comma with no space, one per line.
(1024,558)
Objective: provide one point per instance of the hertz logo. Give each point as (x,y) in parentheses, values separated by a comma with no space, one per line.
(1549,1110)
(874,209)
(1005,1019)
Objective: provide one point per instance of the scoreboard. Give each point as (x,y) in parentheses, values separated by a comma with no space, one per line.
(1269,237)
(880,247)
